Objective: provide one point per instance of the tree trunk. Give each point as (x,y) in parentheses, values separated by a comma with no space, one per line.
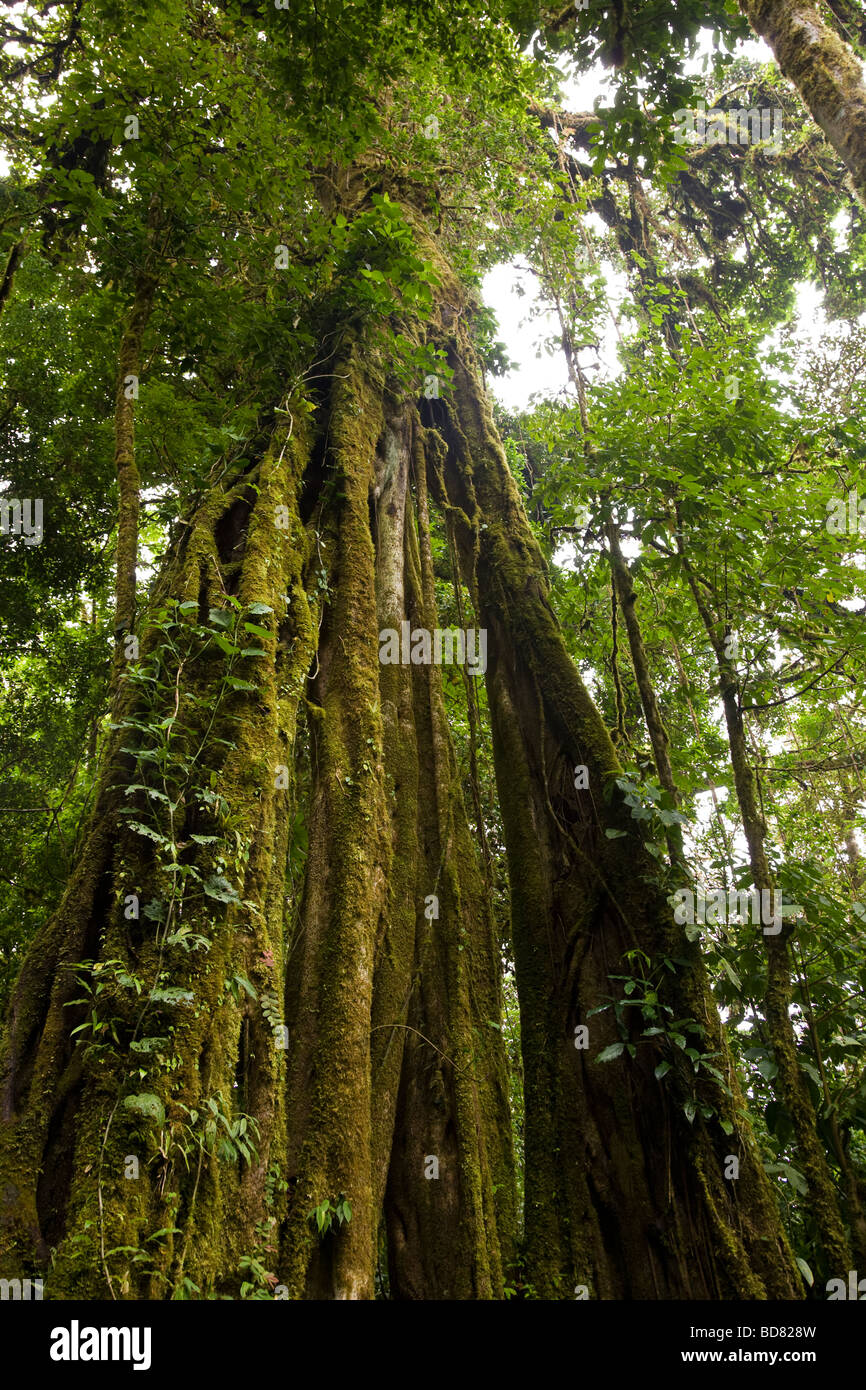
(301,1080)
(177,1127)
(791,1086)
(825,72)
(659,738)
(626,1193)
(128,481)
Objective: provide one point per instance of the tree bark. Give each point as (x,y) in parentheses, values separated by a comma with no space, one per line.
(659,738)
(825,72)
(625,1197)
(126,469)
(7,280)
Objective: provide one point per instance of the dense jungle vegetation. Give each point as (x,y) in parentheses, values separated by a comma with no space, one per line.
(328,971)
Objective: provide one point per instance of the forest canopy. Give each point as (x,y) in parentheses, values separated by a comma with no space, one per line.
(432,847)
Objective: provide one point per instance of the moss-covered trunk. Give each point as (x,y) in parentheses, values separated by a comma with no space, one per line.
(825,72)
(154,1104)
(391,995)
(220,1105)
(630,1188)
(450,1193)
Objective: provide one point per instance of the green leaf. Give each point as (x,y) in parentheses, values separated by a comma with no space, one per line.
(608,1053)
(767,1067)
(148,832)
(796,1178)
(172,995)
(147,1104)
(225,645)
(220,889)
